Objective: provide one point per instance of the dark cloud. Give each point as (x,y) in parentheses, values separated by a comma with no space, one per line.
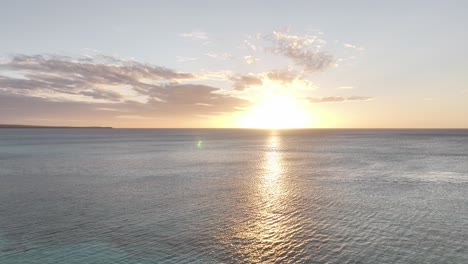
(64,75)
(14,108)
(108,82)
(196,100)
(245,81)
(102,68)
(334,99)
(107,95)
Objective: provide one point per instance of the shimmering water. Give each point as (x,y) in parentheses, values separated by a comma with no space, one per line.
(233,196)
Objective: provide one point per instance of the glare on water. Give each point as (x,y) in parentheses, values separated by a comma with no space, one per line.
(268,235)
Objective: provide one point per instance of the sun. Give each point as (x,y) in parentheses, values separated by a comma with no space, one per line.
(276,111)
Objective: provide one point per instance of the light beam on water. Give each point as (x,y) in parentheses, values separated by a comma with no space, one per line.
(269,235)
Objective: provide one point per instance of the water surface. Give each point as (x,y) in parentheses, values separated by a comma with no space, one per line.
(233,196)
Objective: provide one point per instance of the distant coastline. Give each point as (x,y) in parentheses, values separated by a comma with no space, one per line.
(33,126)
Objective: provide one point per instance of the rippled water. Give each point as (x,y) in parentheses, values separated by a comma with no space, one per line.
(233,196)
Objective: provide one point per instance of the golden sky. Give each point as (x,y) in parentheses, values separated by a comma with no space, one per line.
(301,65)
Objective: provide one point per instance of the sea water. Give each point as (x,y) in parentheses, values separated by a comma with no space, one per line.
(233,196)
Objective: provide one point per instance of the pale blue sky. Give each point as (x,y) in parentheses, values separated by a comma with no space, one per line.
(410,57)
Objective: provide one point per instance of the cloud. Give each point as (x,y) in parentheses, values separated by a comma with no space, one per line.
(219,56)
(335,99)
(106,109)
(102,94)
(185,59)
(251,42)
(100,78)
(135,117)
(195,35)
(304,51)
(351,46)
(222,75)
(250,59)
(346,87)
(243,82)
(249,45)
(286,78)
(195,99)
(112,83)
(283,76)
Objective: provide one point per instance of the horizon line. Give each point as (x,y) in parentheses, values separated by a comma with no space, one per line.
(240,128)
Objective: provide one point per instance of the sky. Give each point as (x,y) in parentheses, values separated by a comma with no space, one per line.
(282,64)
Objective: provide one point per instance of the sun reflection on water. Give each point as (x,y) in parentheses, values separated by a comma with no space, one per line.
(269,233)
(270,186)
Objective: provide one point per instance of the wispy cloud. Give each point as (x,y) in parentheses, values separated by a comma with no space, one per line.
(351,46)
(219,56)
(335,99)
(286,79)
(136,117)
(284,76)
(304,51)
(195,35)
(185,59)
(222,75)
(106,109)
(346,87)
(308,52)
(251,42)
(243,82)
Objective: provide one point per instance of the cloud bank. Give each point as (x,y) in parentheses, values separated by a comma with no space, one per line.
(108,80)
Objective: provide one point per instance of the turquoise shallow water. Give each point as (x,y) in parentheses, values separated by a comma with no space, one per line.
(233,196)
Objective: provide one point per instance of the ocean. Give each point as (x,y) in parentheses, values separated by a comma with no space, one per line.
(233,196)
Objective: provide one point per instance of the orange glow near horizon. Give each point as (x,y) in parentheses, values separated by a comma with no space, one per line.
(277,111)
(279,105)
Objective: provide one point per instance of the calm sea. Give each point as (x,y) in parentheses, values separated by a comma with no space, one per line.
(233,196)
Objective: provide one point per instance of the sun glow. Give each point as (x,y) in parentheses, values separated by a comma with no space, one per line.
(277,111)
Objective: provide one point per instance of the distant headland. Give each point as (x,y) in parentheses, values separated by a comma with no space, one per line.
(34,126)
